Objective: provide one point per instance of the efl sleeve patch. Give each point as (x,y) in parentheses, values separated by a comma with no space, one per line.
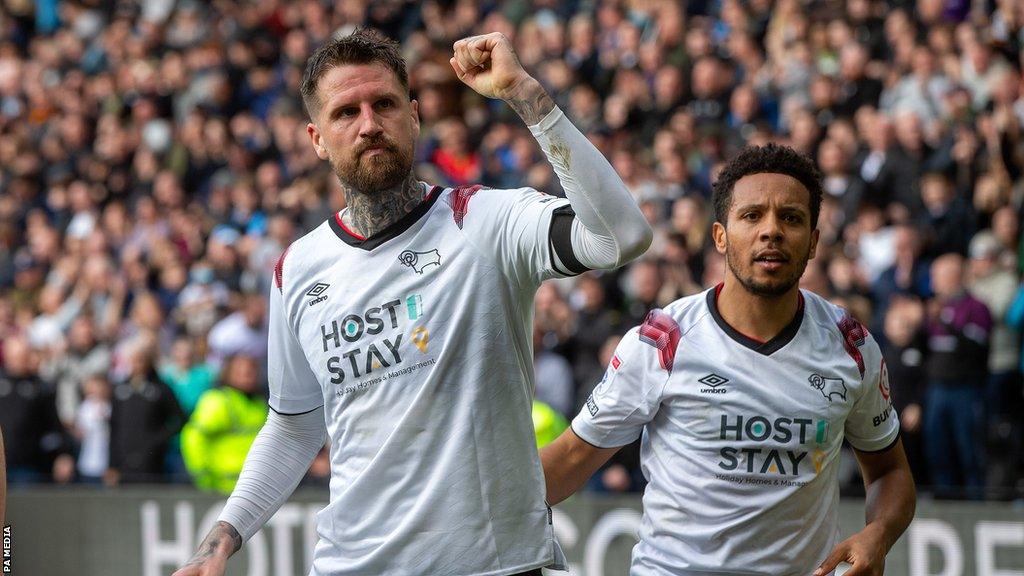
(279,270)
(661,331)
(854,336)
(459,202)
(883,382)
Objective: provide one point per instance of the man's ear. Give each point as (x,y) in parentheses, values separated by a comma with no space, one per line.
(815,234)
(314,137)
(415,118)
(718,235)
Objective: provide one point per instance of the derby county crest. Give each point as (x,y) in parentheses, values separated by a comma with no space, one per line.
(828,386)
(418,261)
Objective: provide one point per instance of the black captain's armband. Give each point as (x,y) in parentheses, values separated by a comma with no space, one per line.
(560,242)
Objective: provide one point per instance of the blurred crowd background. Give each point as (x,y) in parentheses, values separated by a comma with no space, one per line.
(154,163)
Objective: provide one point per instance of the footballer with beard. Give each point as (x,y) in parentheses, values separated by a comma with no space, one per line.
(400,329)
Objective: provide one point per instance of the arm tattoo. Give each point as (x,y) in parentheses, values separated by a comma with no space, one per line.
(223,537)
(532,103)
(368,214)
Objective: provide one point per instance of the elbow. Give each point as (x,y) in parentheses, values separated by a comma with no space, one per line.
(636,243)
(646,239)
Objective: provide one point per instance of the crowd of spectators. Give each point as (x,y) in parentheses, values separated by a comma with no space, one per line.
(154,163)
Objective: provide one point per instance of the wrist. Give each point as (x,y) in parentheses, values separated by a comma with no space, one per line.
(522,88)
(224,539)
(876,530)
(529,99)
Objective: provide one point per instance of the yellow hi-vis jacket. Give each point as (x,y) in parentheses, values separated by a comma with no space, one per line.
(217,437)
(548,424)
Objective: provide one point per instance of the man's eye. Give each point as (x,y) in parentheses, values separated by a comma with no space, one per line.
(385,104)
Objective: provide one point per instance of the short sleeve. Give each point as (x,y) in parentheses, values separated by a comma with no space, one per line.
(873,424)
(514,228)
(627,398)
(294,388)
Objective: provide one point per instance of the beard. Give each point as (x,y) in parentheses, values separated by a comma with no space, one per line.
(771,288)
(369,175)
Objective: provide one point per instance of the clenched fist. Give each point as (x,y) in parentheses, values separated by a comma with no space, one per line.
(488,65)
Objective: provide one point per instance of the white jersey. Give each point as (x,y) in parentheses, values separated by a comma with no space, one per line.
(417,342)
(741,438)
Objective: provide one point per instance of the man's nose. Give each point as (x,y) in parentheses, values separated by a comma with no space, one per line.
(370,124)
(771,227)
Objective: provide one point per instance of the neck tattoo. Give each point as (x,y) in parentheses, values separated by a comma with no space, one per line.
(368,214)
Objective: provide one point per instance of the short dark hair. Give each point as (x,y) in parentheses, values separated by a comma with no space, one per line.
(364,46)
(935,175)
(768,159)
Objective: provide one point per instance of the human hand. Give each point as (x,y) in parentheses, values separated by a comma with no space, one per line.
(212,566)
(616,478)
(865,551)
(63,469)
(488,65)
(911,417)
(964,148)
(67,269)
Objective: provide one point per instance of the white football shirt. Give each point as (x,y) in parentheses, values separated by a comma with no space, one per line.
(417,342)
(741,438)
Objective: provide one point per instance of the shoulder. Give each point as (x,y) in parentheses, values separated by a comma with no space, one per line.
(478,194)
(303,255)
(821,311)
(662,330)
(689,310)
(841,327)
(227,326)
(211,408)
(978,305)
(466,202)
(211,398)
(214,403)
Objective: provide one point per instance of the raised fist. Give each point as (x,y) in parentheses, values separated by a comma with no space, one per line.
(488,65)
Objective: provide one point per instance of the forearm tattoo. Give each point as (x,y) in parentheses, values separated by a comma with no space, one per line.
(532,103)
(368,214)
(224,537)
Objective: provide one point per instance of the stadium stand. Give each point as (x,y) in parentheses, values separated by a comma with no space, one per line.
(154,163)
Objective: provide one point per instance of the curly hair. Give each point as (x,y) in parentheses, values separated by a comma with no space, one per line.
(364,46)
(768,159)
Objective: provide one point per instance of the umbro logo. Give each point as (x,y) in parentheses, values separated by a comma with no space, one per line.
(317,292)
(713,382)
